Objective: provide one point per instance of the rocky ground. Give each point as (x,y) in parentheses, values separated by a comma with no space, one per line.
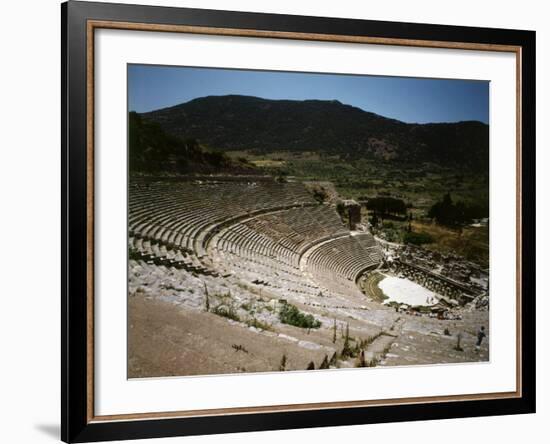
(186,324)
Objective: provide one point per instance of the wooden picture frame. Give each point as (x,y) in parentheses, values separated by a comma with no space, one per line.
(79,22)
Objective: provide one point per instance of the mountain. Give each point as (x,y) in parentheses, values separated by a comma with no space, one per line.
(242,122)
(152,150)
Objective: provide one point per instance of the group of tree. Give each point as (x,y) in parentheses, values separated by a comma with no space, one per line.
(152,150)
(447,212)
(387,206)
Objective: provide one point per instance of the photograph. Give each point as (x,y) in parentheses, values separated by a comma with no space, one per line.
(303,221)
(275,222)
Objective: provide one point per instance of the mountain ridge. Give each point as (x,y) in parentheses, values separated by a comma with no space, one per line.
(235,122)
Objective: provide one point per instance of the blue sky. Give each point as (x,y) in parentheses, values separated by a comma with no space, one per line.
(412,100)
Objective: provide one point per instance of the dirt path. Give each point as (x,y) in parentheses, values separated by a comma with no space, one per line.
(164,340)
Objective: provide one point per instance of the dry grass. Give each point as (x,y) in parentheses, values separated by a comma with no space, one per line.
(268,163)
(372,288)
(469,242)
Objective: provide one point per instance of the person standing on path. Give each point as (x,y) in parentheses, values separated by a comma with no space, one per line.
(480,335)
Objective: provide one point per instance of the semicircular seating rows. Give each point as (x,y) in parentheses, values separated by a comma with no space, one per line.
(266,232)
(338,263)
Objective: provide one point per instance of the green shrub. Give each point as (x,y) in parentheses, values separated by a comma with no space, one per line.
(324,364)
(207,298)
(289,314)
(347,350)
(361,362)
(258,324)
(226,312)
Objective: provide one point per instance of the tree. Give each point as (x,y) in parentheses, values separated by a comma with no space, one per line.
(346,350)
(282,366)
(334,332)
(207,299)
(374,220)
(387,206)
(444,211)
(341,210)
(152,150)
(361,361)
(311,366)
(447,212)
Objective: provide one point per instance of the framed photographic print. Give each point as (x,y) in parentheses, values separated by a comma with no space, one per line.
(277,221)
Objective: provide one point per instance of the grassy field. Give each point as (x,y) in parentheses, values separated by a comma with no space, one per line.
(419,185)
(469,242)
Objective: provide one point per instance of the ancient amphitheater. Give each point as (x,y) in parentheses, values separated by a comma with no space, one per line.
(213,261)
